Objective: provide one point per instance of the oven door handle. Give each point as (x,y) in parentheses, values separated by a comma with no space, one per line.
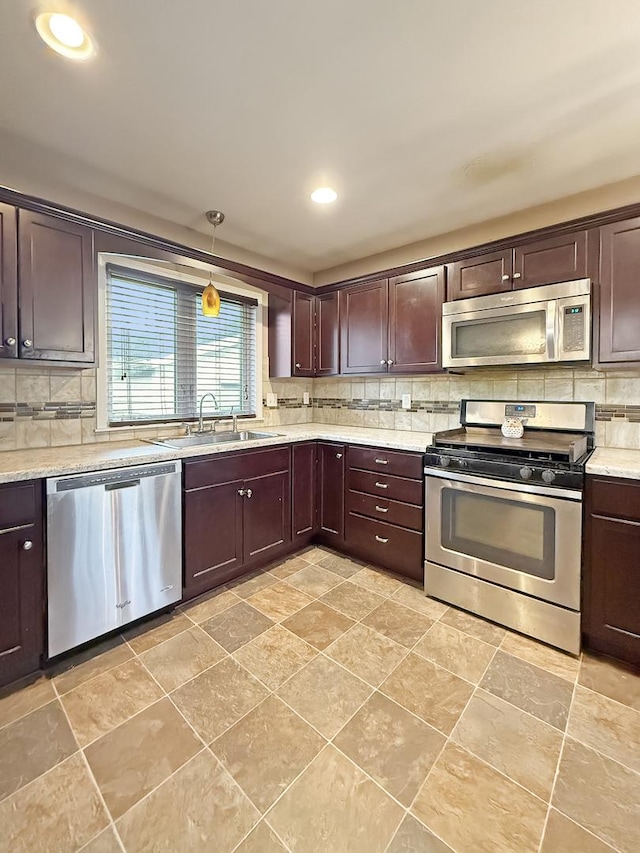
(507,486)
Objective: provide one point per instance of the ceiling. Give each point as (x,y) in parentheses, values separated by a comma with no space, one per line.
(425,115)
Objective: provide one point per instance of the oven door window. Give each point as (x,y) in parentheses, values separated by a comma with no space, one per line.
(507,532)
(509,335)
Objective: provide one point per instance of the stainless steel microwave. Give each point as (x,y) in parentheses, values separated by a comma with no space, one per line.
(537,325)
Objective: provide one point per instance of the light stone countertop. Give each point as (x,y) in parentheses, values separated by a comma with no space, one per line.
(615,462)
(57,461)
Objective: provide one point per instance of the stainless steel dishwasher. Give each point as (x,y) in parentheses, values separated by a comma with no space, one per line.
(114,550)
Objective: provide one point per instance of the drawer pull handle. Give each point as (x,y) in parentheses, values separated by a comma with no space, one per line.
(381,461)
(381,539)
(382,509)
(382,485)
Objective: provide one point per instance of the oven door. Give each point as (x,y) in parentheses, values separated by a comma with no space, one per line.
(522,537)
(514,334)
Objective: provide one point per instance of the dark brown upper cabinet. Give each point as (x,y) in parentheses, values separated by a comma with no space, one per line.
(364,320)
(57,289)
(8,282)
(546,261)
(304,310)
(393,326)
(549,261)
(487,273)
(327,334)
(620,292)
(415,308)
(303,334)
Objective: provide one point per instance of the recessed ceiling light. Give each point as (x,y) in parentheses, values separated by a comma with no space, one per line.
(64,35)
(324,195)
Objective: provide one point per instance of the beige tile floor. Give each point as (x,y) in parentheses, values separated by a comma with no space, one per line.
(322,706)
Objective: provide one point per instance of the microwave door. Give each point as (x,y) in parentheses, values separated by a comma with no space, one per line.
(516,334)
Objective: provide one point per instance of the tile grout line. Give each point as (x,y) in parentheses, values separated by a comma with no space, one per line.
(91,777)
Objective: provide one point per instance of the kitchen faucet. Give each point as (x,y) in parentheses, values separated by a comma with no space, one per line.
(215,403)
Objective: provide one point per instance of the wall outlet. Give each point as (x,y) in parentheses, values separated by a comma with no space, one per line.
(306,400)
(406,401)
(272,401)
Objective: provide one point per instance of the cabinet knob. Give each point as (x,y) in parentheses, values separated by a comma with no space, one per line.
(298,365)
(390,361)
(517,275)
(27,344)
(338,455)
(505,277)
(248,492)
(10,342)
(241,492)
(383,361)
(27,545)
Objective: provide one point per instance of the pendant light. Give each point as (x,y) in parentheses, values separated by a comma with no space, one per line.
(210,296)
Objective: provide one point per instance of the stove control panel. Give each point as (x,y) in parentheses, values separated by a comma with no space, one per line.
(560,476)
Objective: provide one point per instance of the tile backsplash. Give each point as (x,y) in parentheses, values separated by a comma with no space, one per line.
(52,407)
(57,406)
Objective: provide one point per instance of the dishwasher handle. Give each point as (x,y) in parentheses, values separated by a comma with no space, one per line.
(110,487)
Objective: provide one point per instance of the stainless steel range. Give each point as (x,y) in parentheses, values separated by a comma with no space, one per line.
(504,515)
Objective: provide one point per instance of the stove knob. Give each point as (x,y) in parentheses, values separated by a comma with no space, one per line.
(445,461)
(526,472)
(548,476)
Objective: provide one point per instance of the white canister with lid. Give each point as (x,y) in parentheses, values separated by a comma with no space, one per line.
(512,428)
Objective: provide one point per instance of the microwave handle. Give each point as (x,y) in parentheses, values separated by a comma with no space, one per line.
(552,329)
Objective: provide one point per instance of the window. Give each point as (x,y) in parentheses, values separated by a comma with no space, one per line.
(162,354)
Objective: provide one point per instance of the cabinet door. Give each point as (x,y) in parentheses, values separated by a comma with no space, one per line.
(331,460)
(488,273)
(363,328)
(304,464)
(212,534)
(620,292)
(611,621)
(21,602)
(8,282)
(549,261)
(303,334)
(327,335)
(415,309)
(266,514)
(57,289)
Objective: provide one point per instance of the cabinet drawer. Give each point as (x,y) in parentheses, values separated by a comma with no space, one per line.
(18,505)
(393,488)
(615,498)
(213,471)
(382,509)
(386,461)
(386,545)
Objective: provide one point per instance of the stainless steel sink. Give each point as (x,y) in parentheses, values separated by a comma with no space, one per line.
(180,441)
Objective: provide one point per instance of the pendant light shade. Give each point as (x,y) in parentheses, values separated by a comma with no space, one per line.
(210,301)
(210,296)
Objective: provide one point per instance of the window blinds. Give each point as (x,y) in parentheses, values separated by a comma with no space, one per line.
(163,354)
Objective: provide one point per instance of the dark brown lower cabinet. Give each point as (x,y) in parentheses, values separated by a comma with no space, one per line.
(330,492)
(304,464)
(611,611)
(266,514)
(21,580)
(385,509)
(237,515)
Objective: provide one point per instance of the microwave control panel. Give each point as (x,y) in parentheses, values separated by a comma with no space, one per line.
(573,328)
